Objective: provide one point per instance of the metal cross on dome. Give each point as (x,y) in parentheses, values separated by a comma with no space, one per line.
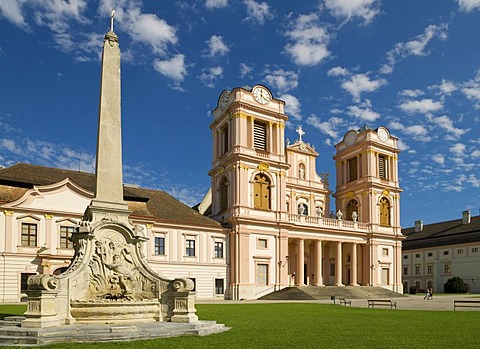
(300,132)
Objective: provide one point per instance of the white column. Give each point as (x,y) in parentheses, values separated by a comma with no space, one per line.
(299,279)
(353,266)
(338,265)
(318,264)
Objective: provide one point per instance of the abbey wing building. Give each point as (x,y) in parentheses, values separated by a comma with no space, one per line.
(277,208)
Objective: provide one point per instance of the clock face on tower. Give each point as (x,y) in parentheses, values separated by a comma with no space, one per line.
(382,134)
(350,137)
(261,95)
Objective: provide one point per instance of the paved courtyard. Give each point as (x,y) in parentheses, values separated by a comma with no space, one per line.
(412,302)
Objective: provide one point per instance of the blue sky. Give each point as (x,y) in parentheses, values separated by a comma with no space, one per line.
(412,66)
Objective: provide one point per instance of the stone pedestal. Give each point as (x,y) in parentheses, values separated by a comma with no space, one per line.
(184,307)
(42,297)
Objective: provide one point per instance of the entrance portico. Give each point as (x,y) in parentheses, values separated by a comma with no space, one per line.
(318,262)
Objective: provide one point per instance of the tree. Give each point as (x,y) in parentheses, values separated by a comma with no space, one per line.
(455,285)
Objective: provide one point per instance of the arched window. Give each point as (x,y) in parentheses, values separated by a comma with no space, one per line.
(262,192)
(224,194)
(384,212)
(301,171)
(352,206)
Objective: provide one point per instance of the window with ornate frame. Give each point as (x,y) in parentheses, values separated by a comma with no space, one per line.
(382,166)
(261,189)
(159,245)
(190,248)
(259,136)
(384,212)
(218,247)
(352,206)
(352,170)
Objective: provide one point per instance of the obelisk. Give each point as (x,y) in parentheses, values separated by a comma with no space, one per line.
(108,170)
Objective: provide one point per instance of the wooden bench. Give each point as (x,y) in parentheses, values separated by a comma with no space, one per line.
(465,304)
(382,302)
(345,302)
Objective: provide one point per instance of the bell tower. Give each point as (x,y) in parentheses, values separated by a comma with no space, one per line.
(368,192)
(367,178)
(249,164)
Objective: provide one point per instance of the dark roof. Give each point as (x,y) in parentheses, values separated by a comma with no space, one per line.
(442,234)
(157,204)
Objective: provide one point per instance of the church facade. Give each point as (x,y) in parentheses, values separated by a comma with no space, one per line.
(269,223)
(276,206)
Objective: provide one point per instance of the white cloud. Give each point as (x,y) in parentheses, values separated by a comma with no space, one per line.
(216,46)
(292,106)
(411,93)
(475,154)
(11,146)
(12,11)
(259,11)
(57,14)
(365,9)
(360,83)
(173,68)
(438,158)
(326,127)
(423,106)
(446,87)
(149,29)
(363,112)
(415,47)
(447,124)
(417,132)
(469,5)
(282,80)
(210,75)
(473,181)
(213,4)
(245,70)
(402,145)
(337,71)
(458,149)
(309,41)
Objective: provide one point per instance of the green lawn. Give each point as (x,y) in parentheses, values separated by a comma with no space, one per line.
(304,325)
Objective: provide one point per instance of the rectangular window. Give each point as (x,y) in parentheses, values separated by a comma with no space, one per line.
(29,234)
(159,245)
(446,268)
(23,281)
(219,286)
(474,249)
(259,136)
(218,249)
(430,254)
(405,271)
(417,270)
(417,255)
(225,139)
(445,253)
(262,274)
(430,269)
(65,233)
(405,257)
(262,244)
(384,252)
(460,251)
(382,166)
(190,248)
(352,169)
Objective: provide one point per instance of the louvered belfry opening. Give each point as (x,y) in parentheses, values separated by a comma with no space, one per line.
(382,167)
(225,139)
(259,136)
(352,169)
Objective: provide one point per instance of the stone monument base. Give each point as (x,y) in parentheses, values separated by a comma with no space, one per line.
(115,312)
(11,334)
